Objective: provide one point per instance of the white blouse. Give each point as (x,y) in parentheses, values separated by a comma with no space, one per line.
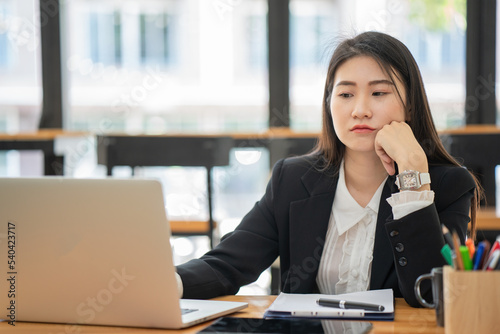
(345,265)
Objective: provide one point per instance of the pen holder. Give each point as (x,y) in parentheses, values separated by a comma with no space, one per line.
(472,301)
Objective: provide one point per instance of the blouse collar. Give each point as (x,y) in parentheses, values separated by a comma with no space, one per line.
(346,211)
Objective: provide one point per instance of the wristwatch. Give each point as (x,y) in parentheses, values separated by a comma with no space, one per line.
(412,180)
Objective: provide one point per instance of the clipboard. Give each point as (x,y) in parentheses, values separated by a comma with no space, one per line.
(289,305)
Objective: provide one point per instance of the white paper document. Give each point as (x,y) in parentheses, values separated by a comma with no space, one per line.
(305,305)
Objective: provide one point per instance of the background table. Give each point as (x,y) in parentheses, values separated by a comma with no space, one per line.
(169,150)
(478,148)
(43,141)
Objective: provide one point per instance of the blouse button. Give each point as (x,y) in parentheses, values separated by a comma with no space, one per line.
(394,233)
(354,273)
(399,247)
(403,261)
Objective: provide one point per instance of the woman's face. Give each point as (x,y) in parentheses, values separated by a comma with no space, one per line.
(364,99)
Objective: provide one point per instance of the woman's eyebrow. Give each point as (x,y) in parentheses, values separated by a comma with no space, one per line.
(345,83)
(371,83)
(382,81)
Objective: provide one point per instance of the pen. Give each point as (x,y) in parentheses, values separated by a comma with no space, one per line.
(492,260)
(464,253)
(330,314)
(495,246)
(470,245)
(456,248)
(447,236)
(482,254)
(454,260)
(447,254)
(497,267)
(487,249)
(344,304)
(478,256)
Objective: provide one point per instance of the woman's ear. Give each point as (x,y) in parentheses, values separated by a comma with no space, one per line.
(408,114)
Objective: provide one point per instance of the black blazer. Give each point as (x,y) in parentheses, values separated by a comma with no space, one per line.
(291,221)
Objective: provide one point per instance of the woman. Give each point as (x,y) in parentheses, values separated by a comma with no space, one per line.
(363,211)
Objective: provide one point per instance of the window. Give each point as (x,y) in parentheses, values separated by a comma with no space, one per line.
(314,26)
(436,41)
(5,49)
(438,45)
(167,66)
(257,37)
(20,93)
(19,66)
(156,38)
(105,37)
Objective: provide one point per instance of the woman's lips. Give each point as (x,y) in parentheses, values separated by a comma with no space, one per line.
(362,129)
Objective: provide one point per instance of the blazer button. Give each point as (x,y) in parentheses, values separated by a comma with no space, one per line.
(394,233)
(403,261)
(399,247)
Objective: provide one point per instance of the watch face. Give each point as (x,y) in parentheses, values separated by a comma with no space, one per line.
(409,181)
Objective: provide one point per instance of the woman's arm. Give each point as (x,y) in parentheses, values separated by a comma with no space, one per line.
(241,256)
(418,239)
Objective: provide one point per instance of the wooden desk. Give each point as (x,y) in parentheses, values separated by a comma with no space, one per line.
(488,224)
(42,140)
(281,143)
(407,320)
(472,129)
(487,219)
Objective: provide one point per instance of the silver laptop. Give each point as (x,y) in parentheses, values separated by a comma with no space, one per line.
(91,251)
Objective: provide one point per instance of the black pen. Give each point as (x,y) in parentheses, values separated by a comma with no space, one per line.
(447,236)
(344,304)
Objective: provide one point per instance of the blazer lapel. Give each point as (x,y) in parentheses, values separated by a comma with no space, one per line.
(308,226)
(383,262)
(309,220)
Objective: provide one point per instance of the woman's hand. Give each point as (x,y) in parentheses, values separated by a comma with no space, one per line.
(395,142)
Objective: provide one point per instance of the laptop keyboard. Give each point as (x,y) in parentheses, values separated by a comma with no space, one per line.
(188,310)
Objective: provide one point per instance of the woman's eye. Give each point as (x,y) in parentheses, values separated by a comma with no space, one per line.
(345,95)
(379,93)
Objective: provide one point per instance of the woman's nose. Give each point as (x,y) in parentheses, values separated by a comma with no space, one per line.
(362,109)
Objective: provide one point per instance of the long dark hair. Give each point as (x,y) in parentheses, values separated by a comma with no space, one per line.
(397,62)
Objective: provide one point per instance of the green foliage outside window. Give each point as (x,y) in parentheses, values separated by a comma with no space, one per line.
(438,15)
